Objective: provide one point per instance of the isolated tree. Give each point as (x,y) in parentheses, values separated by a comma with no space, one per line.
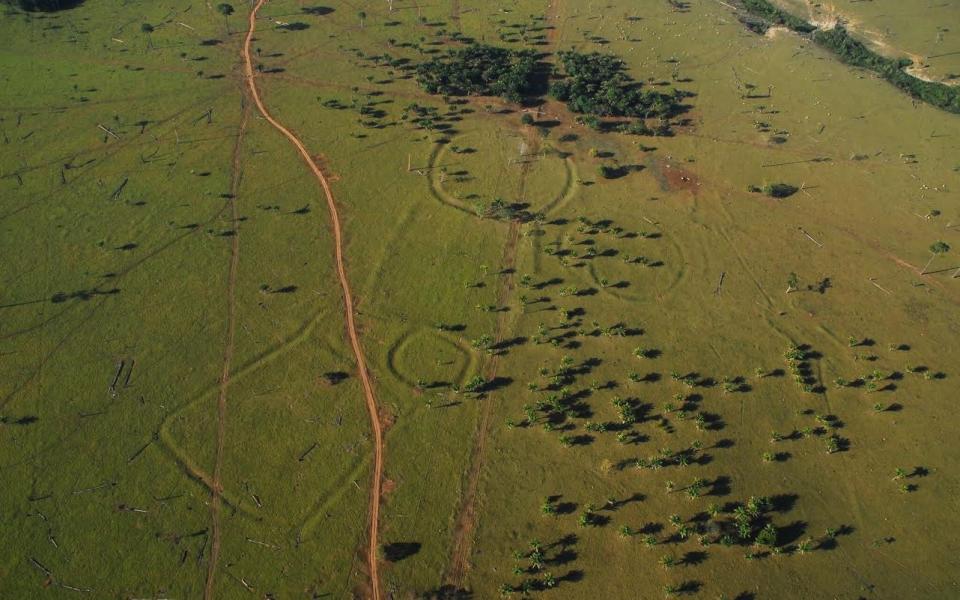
(792,282)
(780,190)
(147,28)
(363,17)
(936,249)
(226,10)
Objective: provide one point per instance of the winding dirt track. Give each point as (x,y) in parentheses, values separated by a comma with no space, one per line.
(347,300)
(216,484)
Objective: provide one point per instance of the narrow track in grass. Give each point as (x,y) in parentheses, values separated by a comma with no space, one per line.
(466,517)
(216,482)
(371,400)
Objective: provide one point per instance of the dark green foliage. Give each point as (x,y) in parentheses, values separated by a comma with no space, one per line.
(636,128)
(480,70)
(779,190)
(854,52)
(591,121)
(767,536)
(764,9)
(595,84)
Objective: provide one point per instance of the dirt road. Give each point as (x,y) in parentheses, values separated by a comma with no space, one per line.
(371,400)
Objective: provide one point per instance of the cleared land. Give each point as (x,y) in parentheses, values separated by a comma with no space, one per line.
(898,29)
(177,366)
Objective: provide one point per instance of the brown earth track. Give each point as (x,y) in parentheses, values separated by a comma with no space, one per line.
(455,12)
(347,299)
(216,484)
(466,517)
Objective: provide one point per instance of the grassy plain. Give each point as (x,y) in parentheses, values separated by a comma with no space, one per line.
(898,29)
(107,485)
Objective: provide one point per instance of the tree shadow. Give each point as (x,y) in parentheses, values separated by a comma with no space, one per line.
(783,503)
(788,534)
(24,420)
(448,592)
(496,383)
(47,5)
(83,295)
(335,377)
(398,551)
(295,26)
(317,11)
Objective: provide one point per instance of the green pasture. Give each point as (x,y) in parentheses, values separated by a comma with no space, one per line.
(134,172)
(897,29)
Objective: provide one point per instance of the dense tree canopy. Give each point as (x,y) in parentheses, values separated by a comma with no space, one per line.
(596,84)
(766,10)
(480,70)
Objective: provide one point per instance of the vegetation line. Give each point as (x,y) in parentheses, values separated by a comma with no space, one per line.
(854,52)
(347,300)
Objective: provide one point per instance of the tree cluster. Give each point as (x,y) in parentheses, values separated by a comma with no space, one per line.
(769,12)
(480,70)
(596,84)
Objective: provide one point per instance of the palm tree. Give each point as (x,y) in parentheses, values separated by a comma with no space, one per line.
(226,10)
(792,282)
(936,249)
(363,17)
(147,28)
(549,581)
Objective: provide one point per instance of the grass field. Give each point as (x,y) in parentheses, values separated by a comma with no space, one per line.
(899,30)
(168,296)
